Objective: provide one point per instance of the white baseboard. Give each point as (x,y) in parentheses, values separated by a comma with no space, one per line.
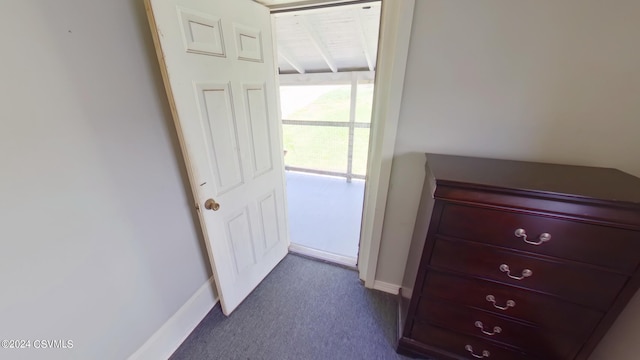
(406,292)
(386,287)
(323,255)
(170,336)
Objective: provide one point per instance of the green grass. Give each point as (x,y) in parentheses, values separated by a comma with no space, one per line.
(325,148)
(334,105)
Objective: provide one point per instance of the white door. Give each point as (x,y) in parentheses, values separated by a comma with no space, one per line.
(216,58)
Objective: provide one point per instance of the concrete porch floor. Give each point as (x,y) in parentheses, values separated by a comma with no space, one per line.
(325,212)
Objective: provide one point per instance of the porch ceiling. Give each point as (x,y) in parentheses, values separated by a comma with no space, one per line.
(326,39)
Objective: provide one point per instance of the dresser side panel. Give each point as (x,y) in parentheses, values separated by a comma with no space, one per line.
(610,317)
(417,249)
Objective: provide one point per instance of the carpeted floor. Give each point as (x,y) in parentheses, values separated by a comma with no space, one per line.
(303,310)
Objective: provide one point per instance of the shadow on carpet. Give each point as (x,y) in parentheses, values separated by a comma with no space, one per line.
(303,310)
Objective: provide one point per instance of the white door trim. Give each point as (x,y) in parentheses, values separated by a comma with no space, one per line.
(393,46)
(323,255)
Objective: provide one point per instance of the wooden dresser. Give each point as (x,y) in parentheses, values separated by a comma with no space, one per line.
(518,260)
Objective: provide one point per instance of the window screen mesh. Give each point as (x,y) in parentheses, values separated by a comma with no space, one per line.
(319,147)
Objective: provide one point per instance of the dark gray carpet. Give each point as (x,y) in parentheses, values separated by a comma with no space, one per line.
(304,309)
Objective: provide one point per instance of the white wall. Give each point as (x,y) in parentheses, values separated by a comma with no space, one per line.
(98,239)
(546,80)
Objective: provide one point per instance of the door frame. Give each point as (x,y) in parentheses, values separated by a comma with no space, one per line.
(396,18)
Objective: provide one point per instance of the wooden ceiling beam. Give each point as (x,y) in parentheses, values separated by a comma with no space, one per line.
(288,57)
(316,41)
(363,40)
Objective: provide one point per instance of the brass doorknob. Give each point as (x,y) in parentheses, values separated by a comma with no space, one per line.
(211,205)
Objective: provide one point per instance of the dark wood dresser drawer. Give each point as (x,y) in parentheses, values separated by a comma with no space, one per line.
(544,343)
(541,310)
(465,347)
(594,244)
(518,260)
(572,282)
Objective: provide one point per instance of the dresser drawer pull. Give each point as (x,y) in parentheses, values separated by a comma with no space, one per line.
(542,238)
(525,273)
(492,299)
(496,329)
(485,353)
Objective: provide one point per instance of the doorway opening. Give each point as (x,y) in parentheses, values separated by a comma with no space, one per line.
(326,61)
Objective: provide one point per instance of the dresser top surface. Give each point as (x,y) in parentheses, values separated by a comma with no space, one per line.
(583,182)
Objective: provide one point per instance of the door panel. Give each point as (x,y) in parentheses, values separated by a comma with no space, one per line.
(220,131)
(269,220)
(248,43)
(241,241)
(220,75)
(202,33)
(259,126)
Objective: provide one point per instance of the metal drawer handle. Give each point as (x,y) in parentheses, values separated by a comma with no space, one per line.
(542,238)
(496,329)
(492,299)
(485,353)
(525,273)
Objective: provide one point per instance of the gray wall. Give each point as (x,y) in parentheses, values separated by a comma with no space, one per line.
(546,80)
(98,239)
